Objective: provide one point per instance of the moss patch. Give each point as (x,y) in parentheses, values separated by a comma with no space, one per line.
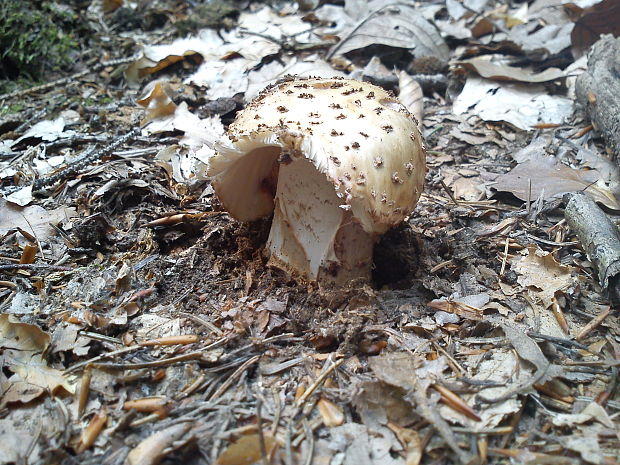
(35,37)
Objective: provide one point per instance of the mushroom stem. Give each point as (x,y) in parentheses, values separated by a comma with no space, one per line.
(311,234)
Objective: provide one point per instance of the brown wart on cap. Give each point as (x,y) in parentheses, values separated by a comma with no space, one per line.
(325,221)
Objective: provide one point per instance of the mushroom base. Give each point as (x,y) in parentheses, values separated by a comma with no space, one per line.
(310,234)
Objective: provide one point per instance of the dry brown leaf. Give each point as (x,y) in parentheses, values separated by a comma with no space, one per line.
(602,18)
(33,219)
(459,308)
(391,23)
(157,101)
(245,450)
(411,441)
(541,272)
(547,177)
(410,94)
(22,347)
(331,413)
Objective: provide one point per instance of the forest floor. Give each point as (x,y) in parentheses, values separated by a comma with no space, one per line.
(141,324)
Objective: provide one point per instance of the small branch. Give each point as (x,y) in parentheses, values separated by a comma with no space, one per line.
(92,68)
(34,267)
(599,237)
(86,160)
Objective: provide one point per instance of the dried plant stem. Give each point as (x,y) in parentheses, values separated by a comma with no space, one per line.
(592,324)
(317,383)
(84,161)
(33,267)
(261,434)
(232,378)
(92,67)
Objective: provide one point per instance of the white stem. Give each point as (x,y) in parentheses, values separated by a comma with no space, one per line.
(311,234)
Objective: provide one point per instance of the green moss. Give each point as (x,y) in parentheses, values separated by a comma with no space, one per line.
(10,109)
(35,37)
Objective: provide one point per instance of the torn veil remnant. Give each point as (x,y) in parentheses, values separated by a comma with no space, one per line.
(338,161)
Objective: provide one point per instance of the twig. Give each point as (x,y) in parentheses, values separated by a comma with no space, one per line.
(505,257)
(449,192)
(154,364)
(201,321)
(277,413)
(261,435)
(86,160)
(288,448)
(310,438)
(317,383)
(600,239)
(34,267)
(92,68)
(232,378)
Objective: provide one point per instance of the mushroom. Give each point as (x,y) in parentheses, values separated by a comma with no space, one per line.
(338,161)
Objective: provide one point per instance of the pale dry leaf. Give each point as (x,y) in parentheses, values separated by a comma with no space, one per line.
(386,22)
(19,433)
(152,326)
(545,177)
(586,445)
(151,450)
(498,68)
(410,95)
(22,347)
(592,412)
(48,130)
(21,197)
(500,366)
(33,219)
(521,105)
(156,57)
(541,272)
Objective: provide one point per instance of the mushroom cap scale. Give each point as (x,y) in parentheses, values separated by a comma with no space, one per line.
(358,135)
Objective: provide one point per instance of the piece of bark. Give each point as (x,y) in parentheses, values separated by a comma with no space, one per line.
(598,89)
(599,237)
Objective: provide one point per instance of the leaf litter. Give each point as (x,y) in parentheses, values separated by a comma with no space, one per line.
(147,328)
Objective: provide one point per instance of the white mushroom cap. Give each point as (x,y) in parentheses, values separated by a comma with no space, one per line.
(363,142)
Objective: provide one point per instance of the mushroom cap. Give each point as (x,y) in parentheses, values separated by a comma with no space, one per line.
(357,134)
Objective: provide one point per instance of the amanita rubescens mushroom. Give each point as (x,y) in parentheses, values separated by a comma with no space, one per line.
(338,161)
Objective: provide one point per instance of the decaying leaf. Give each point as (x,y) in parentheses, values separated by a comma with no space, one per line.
(22,347)
(33,219)
(492,67)
(601,18)
(545,177)
(387,22)
(246,450)
(542,273)
(151,450)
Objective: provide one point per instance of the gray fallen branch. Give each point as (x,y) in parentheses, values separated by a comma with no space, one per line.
(600,239)
(33,267)
(83,162)
(78,165)
(598,89)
